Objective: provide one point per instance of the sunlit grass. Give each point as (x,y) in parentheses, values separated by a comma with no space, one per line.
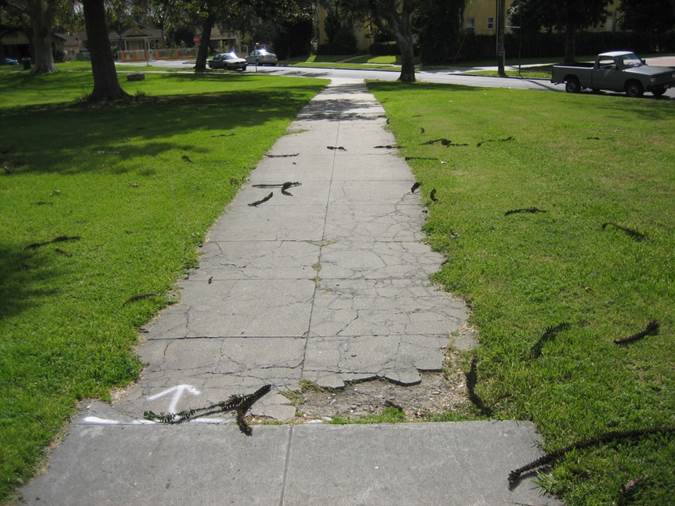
(585,160)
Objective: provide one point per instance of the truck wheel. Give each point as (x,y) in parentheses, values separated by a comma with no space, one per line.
(634,89)
(658,91)
(572,85)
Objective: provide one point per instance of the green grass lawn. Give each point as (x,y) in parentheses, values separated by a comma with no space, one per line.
(139,183)
(585,160)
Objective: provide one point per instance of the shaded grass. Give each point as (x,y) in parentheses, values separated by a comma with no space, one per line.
(115,176)
(20,88)
(526,272)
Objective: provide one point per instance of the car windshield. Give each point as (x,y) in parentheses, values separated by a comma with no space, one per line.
(631,60)
(229,56)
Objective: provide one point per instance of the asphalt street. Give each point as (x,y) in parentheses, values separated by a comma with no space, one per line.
(441,76)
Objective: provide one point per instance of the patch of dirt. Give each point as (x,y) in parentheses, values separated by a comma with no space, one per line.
(437,392)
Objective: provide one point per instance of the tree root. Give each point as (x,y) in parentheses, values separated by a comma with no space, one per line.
(239,403)
(262,200)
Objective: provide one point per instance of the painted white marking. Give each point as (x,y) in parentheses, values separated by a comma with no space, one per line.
(95,420)
(177,392)
(214,421)
(100,421)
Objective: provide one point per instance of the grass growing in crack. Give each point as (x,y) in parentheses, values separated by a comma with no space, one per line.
(113,175)
(388,415)
(294,397)
(309,386)
(587,160)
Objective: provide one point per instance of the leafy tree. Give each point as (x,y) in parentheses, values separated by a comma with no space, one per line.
(654,17)
(122,15)
(439,22)
(38,18)
(242,15)
(566,16)
(106,85)
(394,17)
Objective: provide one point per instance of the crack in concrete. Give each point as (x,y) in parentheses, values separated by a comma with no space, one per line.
(347,280)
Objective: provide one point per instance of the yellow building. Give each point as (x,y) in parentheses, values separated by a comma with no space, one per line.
(480,17)
(363,32)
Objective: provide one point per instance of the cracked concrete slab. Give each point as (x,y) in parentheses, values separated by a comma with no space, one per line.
(266,223)
(393,192)
(376,222)
(304,168)
(250,307)
(381,167)
(331,362)
(384,307)
(339,268)
(217,368)
(378,260)
(311,193)
(269,260)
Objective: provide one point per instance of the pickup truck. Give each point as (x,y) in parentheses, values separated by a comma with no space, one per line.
(615,71)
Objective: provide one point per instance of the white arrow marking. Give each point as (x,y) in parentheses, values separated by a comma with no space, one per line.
(177,394)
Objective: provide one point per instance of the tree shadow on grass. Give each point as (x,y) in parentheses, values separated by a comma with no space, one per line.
(49,138)
(648,108)
(22,274)
(396,86)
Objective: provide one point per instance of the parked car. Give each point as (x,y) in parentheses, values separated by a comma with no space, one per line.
(262,57)
(615,71)
(9,61)
(228,61)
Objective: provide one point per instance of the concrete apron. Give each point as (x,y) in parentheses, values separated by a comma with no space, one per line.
(329,284)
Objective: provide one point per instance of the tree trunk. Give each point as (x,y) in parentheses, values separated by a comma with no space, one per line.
(106,85)
(570,43)
(403,31)
(407,61)
(41,19)
(43,56)
(203,53)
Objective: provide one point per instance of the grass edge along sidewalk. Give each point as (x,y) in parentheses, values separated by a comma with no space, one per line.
(99,204)
(492,156)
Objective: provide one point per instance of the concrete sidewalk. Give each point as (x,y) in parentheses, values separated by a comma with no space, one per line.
(330,285)
(449,464)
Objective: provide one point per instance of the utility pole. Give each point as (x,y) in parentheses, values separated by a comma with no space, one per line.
(501,25)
